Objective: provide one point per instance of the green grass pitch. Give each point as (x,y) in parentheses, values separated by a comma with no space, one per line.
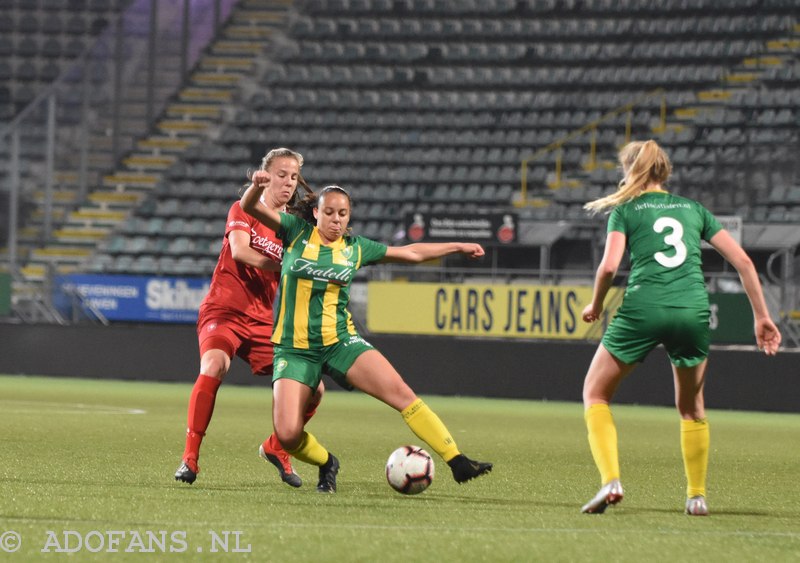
(84,458)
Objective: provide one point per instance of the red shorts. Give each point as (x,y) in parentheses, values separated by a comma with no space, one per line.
(236,334)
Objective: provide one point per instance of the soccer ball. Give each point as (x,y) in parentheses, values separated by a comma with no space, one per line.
(409,470)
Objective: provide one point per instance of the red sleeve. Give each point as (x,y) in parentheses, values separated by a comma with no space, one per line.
(238,220)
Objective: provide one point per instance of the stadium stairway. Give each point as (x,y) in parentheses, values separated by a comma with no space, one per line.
(194,112)
(382,97)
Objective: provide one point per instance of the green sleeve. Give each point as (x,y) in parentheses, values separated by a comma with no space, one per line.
(371,251)
(710,224)
(616,221)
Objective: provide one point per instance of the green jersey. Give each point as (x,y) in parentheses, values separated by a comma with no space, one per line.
(311,303)
(663,234)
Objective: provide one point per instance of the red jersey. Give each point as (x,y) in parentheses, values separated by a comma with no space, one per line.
(241,287)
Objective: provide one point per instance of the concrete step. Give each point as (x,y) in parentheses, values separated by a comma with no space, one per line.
(115,200)
(56,254)
(177,127)
(784,45)
(143,162)
(122,181)
(241,63)
(81,235)
(90,217)
(241,48)
(37,272)
(215,79)
(160,145)
(37,216)
(61,197)
(743,78)
(206,95)
(258,16)
(210,111)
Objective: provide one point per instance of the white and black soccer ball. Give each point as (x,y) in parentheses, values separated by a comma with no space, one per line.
(409,470)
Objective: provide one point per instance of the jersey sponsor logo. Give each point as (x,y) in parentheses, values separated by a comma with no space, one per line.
(649,205)
(236,223)
(266,245)
(355,339)
(310,269)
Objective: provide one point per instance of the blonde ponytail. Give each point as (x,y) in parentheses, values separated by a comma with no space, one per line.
(643,163)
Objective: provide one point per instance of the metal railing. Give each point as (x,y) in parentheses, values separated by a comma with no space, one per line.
(589,129)
(78,128)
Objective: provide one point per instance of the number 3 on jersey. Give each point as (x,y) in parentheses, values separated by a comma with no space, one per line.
(674,239)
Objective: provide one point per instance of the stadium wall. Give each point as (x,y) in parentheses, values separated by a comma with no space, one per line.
(737,379)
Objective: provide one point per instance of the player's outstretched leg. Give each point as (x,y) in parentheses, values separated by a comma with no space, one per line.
(429,428)
(610,493)
(464,468)
(272,452)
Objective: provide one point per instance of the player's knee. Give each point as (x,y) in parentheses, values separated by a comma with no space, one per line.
(215,364)
(290,438)
(690,409)
(401,397)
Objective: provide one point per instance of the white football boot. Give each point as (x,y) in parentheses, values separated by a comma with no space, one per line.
(696,506)
(610,493)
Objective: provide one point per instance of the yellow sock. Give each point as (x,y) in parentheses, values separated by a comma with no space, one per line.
(310,451)
(603,441)
(695,440)
(430,429)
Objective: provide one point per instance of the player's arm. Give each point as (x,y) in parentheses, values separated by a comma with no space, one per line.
(242,252)
(252,205)
(422,251)
(606,272)
(768,337)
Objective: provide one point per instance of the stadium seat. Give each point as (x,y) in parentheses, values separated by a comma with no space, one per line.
(420,102)
(75,25)
(27,47)
(28,23)
(51,24)
(6,46)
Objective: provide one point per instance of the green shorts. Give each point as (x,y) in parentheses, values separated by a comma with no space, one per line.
(307,366)
(633,333)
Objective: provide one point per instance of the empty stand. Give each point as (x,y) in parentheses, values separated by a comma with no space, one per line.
(429,105)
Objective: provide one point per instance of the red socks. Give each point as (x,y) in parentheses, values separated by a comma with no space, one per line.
(272,444)
(311,410)
(201,407)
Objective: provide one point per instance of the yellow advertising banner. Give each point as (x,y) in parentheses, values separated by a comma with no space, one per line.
(485,310)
